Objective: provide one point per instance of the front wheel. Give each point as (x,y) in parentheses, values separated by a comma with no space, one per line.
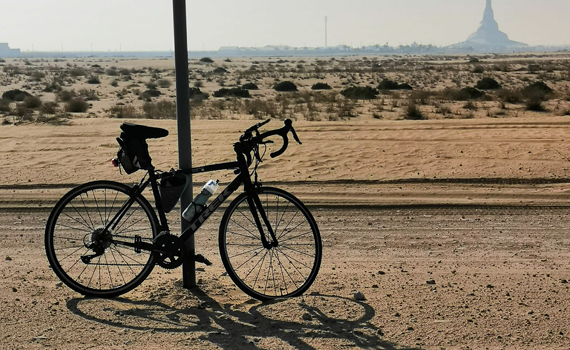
(79,239)
(282,271)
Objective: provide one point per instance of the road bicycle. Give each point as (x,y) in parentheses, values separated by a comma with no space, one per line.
(103,238)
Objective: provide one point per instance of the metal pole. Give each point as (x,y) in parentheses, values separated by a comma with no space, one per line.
(183,123)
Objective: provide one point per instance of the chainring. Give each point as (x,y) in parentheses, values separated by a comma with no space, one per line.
(169,251)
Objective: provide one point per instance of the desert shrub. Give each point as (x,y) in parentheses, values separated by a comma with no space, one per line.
(464,94)
(474,60)
(285,86)
(405,86)
(2,60)
(52,87)
(38,76)
(93,79)
(470,106)
(346,109)
(325,97)
(478,69)
(321,86)
(15,95)
(473,93)
(123,111)
(112,71)
(535,94)
(260,108)
(77,72)
(48,107)
(66,95)
(534,103)
(22,112)
(164,83)
(488,84)
(76,105)
(57,119)
(151,85)
(206,60)
(536,89)
(421,96)
(236,92)
(5,105)
(413,112)
(89,94)
(533,68)
(115,83)
(387,84)
(220,70)
(32,102)
(148,94)
(250,86)
(509,96)
(360,93)
(196,93)
(160,110)
(444,110)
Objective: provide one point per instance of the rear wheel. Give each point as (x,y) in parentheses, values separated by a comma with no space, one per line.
(286,270)
(81,251)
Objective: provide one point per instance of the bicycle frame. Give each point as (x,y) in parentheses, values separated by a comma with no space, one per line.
(240,167)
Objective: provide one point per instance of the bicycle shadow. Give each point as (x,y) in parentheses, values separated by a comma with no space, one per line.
(300,322)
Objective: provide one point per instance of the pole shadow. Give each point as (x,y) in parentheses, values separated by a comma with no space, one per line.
(300,322)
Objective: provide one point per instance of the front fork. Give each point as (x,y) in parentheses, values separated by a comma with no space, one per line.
(255,205)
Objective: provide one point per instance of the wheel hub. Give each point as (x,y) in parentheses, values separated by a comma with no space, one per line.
(98,240)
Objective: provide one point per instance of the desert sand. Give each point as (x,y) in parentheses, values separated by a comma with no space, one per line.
(453,228)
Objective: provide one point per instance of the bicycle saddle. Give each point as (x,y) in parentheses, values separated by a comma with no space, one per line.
(143,132)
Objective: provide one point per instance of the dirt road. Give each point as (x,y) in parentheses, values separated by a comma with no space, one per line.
(477,277)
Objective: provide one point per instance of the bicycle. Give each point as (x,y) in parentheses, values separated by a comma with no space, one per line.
(103,238)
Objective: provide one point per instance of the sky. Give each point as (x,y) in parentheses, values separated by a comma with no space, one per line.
(146,25)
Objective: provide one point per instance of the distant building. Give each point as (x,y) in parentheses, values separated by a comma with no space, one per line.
(488,37)
(6,51)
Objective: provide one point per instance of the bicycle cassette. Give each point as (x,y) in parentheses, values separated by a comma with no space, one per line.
(169,251)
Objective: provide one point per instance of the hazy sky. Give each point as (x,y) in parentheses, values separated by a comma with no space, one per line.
(146,25)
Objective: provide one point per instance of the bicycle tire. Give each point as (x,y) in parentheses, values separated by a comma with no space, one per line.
(287,270)
(77,221)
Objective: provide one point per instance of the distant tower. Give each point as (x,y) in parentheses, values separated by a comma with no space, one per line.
(488,36)
(326,29)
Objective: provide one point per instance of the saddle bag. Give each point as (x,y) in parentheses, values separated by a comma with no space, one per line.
(133,153)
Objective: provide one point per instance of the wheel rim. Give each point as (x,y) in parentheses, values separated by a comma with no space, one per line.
(78,231)
(281,271)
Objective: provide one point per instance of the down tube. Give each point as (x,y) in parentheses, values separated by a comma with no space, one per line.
(195,225)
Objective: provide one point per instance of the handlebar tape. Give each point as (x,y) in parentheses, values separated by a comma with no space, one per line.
(283,133)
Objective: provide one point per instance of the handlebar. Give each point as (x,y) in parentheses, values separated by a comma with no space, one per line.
(252,137)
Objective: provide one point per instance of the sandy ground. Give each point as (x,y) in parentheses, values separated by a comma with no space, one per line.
(455,231)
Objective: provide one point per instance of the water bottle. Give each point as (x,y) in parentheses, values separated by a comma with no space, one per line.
(199,201)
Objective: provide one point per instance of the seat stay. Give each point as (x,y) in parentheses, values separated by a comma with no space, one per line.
(134,193)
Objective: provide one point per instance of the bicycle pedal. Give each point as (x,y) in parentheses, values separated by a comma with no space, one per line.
(201,259)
